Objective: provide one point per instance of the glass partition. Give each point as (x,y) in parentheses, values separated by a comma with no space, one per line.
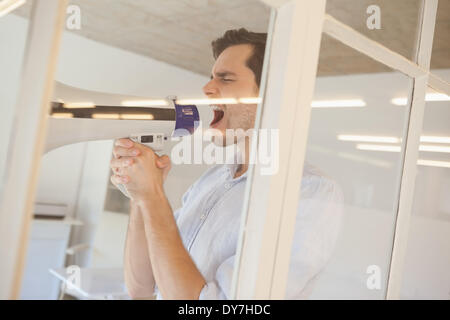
(349,195)
(427,258)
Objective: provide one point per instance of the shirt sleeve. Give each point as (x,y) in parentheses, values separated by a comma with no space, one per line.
(219,288)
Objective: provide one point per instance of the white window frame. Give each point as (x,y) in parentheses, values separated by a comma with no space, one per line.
(27,140)
(271,201)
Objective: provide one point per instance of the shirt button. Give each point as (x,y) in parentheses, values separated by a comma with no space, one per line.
(202,217)
(227,185)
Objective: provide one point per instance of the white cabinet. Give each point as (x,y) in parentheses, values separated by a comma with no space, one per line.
(46,249)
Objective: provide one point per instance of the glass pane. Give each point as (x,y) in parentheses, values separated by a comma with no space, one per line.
(427,259)
(348,199)
(13,36)
(116,77)
(393,24)
(440,58)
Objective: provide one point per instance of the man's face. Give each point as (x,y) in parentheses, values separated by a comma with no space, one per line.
(231,78)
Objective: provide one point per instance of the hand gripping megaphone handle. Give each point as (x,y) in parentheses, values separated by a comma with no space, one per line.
(155,141)
(186,121)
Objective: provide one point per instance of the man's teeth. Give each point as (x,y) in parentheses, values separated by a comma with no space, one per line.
(216,108)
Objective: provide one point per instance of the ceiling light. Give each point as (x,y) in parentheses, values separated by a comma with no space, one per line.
(428,97)
(437,97)
(378,147)
(252,100)
(433,163)
(399,101)
(207,101)
(77,105)
(144,103)
(434,148)
(346,137)
(6,6)
(338,103)
(62,115)
(147,116)
(105,116)
(435,139)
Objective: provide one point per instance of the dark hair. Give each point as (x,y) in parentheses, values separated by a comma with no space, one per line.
(243,36)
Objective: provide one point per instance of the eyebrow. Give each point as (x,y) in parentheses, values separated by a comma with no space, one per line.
(224,74)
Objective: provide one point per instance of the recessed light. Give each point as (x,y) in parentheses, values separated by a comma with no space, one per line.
(378,147)
(402,101)
(382,139)
(144,103)
(77,105)
(435,139)
(130,116)
(430,148)
(433,163)
(105,116)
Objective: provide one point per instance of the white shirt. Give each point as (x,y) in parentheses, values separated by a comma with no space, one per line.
(209,221)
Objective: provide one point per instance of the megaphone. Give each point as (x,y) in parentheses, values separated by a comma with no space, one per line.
(151,126)
(68,126)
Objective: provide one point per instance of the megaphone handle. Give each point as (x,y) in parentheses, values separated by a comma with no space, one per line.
(122,187)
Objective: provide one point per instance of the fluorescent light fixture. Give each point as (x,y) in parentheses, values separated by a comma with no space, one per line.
(251,100)
(435,139)
(347,137)
(428,97)
(144,103)
(434,148)
(437,97)
(433,163)
(6,6)
(378,147)
(338,103)
(105,116)
(131,116)
(77,105)
(207,101)
(62,115)
(399,101)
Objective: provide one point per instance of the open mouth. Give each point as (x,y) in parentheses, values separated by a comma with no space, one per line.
(218,115)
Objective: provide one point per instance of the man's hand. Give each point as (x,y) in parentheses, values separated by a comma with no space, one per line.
(139,168)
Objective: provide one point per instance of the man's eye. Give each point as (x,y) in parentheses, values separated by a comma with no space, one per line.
(227,80)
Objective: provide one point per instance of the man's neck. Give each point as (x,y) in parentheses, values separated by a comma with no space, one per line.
(243,167)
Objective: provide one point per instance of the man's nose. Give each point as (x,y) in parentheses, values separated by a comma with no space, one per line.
(210,89)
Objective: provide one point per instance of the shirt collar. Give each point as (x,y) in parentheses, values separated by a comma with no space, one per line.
(233,164)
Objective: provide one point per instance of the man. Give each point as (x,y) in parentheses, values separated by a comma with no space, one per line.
(189,254)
